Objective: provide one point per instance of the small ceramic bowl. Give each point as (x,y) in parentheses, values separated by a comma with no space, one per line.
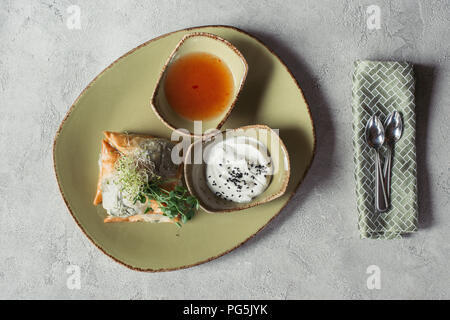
(195,173)
(200,42)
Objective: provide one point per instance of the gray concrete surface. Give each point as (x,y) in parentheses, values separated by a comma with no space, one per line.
(312,250)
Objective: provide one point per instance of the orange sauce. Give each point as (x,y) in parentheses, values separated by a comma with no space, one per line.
(199,86)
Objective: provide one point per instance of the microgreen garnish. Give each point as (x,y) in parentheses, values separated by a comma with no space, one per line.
(138,182)
(177,203)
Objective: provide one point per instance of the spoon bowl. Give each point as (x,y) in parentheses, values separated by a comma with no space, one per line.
(393,127)
(375,133)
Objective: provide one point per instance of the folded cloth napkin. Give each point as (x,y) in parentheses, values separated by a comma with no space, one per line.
(379,88)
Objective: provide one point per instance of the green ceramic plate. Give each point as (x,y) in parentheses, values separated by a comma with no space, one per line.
(119,100)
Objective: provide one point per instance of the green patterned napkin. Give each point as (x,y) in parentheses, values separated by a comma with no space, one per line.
(380,88)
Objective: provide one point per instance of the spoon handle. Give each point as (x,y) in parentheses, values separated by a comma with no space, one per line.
(380,190)
(387,172)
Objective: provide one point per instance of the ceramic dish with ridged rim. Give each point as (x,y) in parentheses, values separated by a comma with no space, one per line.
(118,100)
(195,173)
(194,43)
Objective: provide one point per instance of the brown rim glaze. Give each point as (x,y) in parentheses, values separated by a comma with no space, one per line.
(271,197)
(123,56)
(180,43)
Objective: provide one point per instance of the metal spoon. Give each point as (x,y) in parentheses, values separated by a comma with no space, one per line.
(375,139)
(393,133)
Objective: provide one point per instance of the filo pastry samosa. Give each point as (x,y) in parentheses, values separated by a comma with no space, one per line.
(138,181)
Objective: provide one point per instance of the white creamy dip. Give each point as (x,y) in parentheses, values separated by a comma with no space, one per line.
(238,168)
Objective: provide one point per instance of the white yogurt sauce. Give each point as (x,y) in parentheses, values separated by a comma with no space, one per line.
(238,168)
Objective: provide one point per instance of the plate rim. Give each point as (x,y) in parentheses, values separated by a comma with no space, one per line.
(151,270)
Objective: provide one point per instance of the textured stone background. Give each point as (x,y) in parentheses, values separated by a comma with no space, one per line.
(312,249)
